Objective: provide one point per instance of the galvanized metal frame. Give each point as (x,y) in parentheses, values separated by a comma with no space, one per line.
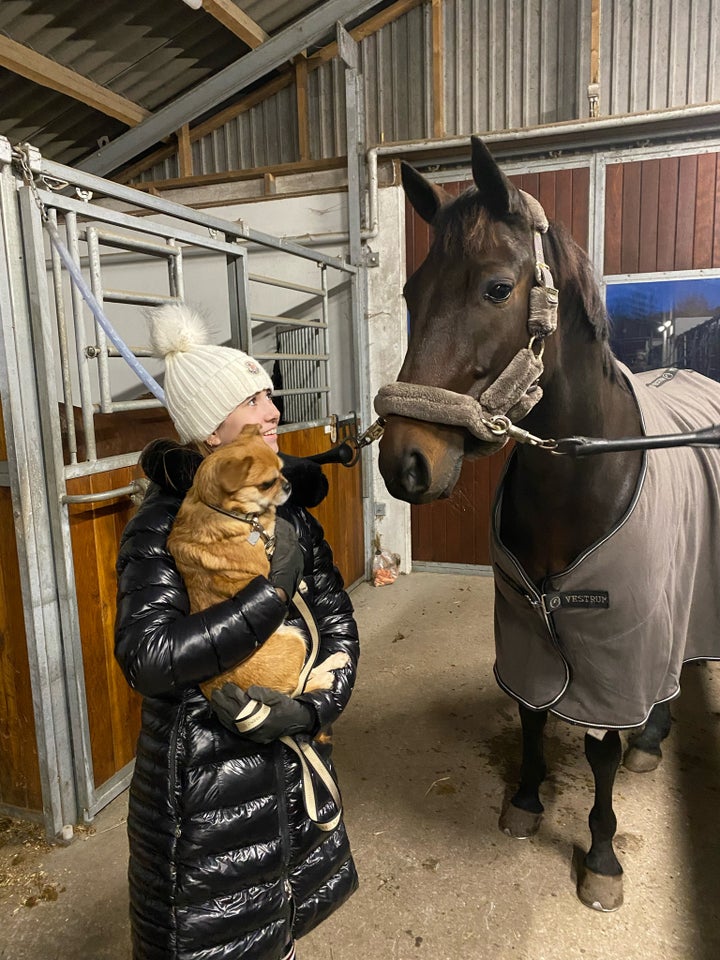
(35,545)
(355,139)
(34,325)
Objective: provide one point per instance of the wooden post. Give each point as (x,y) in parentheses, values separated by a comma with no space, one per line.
(185,164)
(438,69)
(301,96)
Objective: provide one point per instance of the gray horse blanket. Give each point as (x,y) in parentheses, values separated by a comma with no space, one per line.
(604,641)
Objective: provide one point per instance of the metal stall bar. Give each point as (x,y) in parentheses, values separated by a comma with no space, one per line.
(61,317)
(100,350)
(26,468)
(239,230)
(81,355)
(349,52)
(72,678)
(299,354)
(239,300)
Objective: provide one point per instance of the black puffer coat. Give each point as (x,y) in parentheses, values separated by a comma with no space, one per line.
(224,862)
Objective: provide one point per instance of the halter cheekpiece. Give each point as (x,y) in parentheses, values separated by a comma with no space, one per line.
(515,391)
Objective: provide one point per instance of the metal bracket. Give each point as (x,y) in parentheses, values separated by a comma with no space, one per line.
(371,258)
(5,150)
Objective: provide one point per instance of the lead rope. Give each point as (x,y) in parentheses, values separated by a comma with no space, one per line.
(254,713)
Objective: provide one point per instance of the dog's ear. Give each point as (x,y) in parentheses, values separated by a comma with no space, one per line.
(233,474)
(249,430)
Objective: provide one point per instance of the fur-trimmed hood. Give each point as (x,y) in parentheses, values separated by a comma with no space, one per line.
(172,467)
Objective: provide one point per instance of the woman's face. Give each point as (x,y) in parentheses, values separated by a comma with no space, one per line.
(259,409)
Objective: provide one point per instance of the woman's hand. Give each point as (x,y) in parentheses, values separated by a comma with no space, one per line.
(285,717)
(287,562)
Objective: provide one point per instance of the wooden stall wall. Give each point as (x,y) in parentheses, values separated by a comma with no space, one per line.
(341,513)
(456,530)
(662,215)
(113,708)
(20,784)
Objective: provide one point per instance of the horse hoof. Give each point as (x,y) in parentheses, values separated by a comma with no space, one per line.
(600,892)
(640,761)
(518,823)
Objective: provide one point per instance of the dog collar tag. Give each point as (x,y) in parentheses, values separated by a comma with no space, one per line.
(253,537)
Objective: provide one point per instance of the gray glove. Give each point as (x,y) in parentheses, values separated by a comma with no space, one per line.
(286,717)
(287,562)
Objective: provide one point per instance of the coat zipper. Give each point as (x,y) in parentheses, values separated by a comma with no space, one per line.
(284,827)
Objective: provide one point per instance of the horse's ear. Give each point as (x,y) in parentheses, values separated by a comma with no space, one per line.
(496,193)
(426,197)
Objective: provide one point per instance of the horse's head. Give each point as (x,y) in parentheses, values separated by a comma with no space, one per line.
(469,311)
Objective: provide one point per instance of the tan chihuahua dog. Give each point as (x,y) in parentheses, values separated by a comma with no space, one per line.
(219,541)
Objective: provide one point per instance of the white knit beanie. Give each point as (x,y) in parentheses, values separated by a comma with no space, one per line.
(203,383)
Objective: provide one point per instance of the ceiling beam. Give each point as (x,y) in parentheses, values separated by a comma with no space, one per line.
(270,88)
(235,20)
(48,73)
(225,84)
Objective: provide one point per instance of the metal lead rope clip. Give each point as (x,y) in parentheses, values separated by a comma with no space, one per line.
(502,426)
(373,432)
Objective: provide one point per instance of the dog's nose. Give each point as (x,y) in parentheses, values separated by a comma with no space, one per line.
(287,487)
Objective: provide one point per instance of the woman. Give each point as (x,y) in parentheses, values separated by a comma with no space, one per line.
(224,862)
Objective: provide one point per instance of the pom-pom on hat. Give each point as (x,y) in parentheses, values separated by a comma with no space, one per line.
(203,383)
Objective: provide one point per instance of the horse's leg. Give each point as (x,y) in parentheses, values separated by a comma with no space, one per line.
(521,818)
(600,877)
(643,753)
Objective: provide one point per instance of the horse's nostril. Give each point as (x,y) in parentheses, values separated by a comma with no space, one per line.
(415,475)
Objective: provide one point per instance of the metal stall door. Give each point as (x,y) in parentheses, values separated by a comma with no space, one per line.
(88,715)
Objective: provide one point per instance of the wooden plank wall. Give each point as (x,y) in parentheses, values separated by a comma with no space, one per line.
(113,708)
(663,215)
(457,530)
(19,764)
(341,513)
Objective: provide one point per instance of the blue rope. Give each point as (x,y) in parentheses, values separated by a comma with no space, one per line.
(88,296)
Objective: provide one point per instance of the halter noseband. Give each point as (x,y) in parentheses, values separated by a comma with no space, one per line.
(514,392)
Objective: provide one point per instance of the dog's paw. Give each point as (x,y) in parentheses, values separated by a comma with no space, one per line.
(322,677)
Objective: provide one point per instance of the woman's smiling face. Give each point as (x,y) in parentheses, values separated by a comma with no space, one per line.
(258,409)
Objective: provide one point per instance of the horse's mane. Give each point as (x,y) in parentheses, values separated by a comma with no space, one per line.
(463,227)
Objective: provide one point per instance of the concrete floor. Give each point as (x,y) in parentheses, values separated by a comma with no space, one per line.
(424,754)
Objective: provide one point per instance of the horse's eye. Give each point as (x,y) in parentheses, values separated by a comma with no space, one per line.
(497,292)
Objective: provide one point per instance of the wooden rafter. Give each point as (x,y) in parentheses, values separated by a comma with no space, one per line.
(184,151)
(42,70)
(235,20)
(438,70)
(366,29)
(358,33)
(301,100)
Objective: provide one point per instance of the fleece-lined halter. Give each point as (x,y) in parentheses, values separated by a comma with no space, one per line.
(514,392)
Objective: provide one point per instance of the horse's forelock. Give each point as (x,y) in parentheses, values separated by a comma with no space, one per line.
(465,226)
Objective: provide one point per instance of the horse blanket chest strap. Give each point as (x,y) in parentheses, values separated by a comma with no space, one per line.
(514,392)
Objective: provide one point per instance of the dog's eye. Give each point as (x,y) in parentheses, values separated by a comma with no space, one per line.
(267,484)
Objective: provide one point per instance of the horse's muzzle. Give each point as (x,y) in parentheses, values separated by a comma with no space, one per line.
(420,462)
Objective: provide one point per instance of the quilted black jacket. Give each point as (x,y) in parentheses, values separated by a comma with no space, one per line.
(224,862)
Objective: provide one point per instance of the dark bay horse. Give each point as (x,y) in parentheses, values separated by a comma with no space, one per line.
(492,343)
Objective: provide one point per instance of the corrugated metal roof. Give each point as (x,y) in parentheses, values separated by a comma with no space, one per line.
(149,53)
